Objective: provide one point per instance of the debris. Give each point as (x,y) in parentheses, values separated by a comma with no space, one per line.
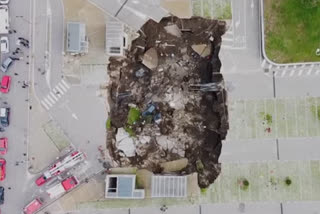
(202,49)
(150,58)
(169,103)
(125,143)
(174,166)
(173,30)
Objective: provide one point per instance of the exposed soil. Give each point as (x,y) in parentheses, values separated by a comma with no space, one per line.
(179,96)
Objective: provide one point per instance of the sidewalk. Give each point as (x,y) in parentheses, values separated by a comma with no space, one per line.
(45,139)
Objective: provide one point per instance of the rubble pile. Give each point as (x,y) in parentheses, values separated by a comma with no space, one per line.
(167,98)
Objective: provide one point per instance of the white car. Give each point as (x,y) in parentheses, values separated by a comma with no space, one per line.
(4,1)
(4,44)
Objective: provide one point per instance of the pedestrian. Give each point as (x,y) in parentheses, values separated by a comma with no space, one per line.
(16,74)
(14,31)
(27,63)
(9,187)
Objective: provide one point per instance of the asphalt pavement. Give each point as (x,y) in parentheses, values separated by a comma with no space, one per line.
(18,182)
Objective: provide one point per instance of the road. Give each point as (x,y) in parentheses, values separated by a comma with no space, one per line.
(18,183)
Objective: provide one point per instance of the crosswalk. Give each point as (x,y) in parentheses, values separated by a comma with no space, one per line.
(291,70)
(55,94)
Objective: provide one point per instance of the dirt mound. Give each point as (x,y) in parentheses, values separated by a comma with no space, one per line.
(167,101)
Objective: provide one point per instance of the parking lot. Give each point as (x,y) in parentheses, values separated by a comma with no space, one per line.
(274,118)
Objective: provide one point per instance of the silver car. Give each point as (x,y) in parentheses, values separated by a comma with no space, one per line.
(6,64)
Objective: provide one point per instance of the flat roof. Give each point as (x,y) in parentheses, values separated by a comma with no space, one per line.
(122,186)
(168,186)
(76,33)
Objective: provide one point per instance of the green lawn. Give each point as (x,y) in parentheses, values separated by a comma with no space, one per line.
(292,30)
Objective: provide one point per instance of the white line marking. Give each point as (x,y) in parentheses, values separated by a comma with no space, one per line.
(65,83)
(300,72)
(63,87)
(263,63)
(292,73)
(283,73)
(270,66)
(48,102)
(49,98)
(54,96)
(75,116)
(56,92)
(59,89)
(45,105)
(317,72)
(309,72)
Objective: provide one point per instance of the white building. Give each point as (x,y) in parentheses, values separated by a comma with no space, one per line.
(122,187)
(77,41)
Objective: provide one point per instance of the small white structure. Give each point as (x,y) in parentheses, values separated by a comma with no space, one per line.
(77,41)
(116,39)
(122,187)
(169,186)
(4,19)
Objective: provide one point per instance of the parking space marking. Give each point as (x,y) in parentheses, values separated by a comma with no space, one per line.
(292,73)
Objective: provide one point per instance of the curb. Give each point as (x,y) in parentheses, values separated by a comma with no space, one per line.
(302,64)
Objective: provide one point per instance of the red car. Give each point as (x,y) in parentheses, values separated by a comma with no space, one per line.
(2,169)
(5,84)
(3,145)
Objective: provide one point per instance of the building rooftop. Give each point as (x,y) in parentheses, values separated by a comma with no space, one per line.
(168,186)
(76,37)
(122,186)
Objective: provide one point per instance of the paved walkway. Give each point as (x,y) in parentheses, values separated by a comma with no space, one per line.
(274,118)
(267,182)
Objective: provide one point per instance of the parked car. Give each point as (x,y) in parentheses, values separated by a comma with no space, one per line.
(4,44)
(3,145)
(5,84)
(4,1)
(2,169)
(6,64)
(1,195)
(4,116)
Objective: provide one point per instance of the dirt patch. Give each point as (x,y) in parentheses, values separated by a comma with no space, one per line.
(167,102)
